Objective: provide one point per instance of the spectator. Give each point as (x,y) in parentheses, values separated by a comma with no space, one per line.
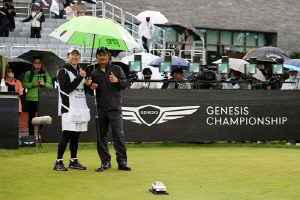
(178,75)
(294,79)
(14,85)
(37,18)
(109,80)
(33,80)
(235,76)
(72,107)
(71,11)
(4,32)
(81,9)
(146,32)
(147,73)
(187,43)
(12,14)
(61,6)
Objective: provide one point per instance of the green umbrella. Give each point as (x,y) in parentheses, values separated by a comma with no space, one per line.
(95,32)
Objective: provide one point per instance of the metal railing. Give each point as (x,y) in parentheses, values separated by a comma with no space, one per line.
(31,47)
(7,51)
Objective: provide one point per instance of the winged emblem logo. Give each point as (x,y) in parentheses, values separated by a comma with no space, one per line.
(28,142)
(157,114)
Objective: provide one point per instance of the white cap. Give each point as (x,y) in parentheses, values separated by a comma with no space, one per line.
(37,4)
(71,49)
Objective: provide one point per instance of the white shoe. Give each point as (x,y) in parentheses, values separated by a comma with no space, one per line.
(297,144)
(259,142)
(289,142)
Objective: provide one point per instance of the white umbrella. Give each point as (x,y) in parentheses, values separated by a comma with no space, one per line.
(155,17)
(146,58)
(239,65)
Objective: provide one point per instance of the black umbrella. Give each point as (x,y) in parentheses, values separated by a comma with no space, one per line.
(51,62)
(267,54)
(181,27)
(19,66)
(3,19)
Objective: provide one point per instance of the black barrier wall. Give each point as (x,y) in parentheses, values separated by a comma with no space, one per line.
(9,126)
(193,115)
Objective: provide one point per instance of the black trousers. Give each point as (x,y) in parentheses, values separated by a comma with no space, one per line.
(61,15)
(35,32)
(4,32)
(32,108)
(67,136)
(145,44)
(114,118)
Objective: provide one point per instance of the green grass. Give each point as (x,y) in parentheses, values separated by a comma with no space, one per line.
(189,171)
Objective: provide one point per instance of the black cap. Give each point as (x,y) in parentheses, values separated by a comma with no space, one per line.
(104,49)
(178,70)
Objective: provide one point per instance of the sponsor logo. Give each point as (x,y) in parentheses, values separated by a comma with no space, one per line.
(28,142)
(273,56)
(151,114)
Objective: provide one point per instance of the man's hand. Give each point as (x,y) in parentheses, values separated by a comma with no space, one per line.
(170,86)
(269,87)
(113,79)
(88,81)
(94,86)
(142,86)
(296,88)
(21,20)
(34,84)
(182,42)
(82,73)
(38,18)
(41,83)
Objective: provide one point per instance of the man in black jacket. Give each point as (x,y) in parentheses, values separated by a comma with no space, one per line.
(109,80)
(4,31)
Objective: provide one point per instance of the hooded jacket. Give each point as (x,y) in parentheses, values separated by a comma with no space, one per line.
(108,94)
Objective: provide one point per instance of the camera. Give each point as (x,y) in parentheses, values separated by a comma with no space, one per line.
(205,74)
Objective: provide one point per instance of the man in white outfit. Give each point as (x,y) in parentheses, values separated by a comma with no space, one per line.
(72,108)
(146,32)
(294,79)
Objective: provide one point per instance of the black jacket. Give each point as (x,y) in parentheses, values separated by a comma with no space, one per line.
(66,86)
(108,94)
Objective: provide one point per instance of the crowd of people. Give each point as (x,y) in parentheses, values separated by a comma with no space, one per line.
(37,16)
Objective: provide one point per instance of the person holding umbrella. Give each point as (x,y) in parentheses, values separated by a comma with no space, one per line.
(72,107)
(187,42)
(33,80)
(108,81)
(235,76)
(146,32)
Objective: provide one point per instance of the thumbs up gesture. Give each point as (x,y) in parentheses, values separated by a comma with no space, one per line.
(82,73)
(113,79)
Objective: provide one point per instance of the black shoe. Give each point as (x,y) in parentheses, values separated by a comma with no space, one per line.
(99,169)
(59,166)
(75,165)
(124,167)
(104,166)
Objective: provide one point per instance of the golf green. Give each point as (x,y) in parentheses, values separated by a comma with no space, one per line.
(193,171)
